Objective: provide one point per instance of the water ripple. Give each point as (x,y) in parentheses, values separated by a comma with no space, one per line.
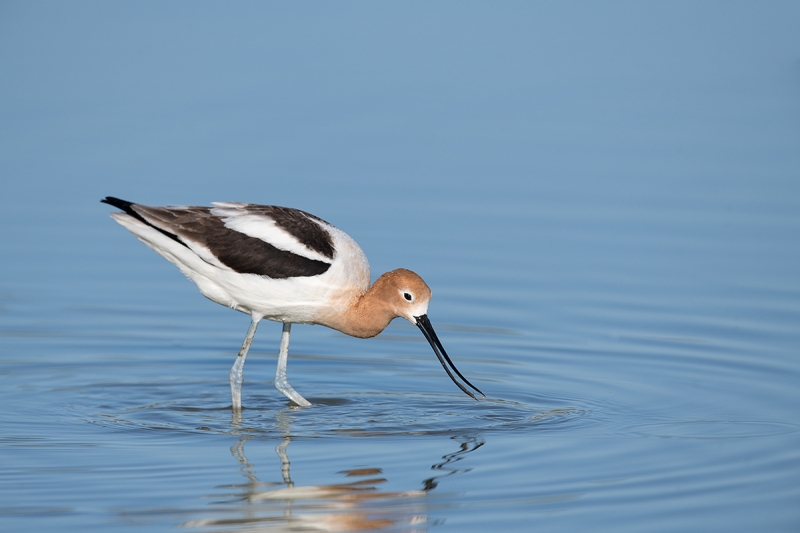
(361,414)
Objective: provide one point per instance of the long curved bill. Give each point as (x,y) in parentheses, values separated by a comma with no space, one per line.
(427,329)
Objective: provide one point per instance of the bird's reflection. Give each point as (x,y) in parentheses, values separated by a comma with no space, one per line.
(356,504)
(448,466)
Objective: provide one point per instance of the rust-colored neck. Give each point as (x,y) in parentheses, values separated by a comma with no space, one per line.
(370,313)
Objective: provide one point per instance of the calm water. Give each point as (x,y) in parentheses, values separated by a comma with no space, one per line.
(605,202)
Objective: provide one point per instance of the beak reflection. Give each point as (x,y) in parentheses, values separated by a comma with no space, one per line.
(427,329)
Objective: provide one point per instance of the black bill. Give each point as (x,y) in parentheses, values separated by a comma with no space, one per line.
(425,325)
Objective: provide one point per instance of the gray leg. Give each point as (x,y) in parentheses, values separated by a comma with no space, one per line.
(281,383)
(237,371)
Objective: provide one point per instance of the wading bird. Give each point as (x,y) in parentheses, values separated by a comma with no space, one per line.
(285,265)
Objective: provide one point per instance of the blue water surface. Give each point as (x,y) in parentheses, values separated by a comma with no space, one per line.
(604,199)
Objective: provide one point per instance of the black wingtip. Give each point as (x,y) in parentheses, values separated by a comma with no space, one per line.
(118,203)
(127,207)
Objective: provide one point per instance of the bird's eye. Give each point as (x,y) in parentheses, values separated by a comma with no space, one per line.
(407,296)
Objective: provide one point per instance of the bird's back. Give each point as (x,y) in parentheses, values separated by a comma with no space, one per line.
(274,262)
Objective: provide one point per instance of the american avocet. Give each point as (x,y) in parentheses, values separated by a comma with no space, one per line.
(285,265)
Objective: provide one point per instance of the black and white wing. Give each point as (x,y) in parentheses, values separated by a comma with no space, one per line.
(276,242)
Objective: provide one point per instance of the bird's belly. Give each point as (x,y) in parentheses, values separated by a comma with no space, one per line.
(295,300)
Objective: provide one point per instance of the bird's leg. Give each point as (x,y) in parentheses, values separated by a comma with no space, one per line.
(281,383)
(237,371)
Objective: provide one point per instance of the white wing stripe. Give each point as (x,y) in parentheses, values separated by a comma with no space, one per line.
(264,228)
